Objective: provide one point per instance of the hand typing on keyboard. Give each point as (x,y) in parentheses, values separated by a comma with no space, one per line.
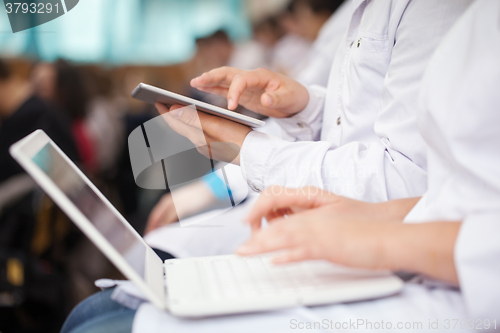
(320,233)
(310,223)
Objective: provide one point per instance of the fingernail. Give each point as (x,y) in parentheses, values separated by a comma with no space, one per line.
(196,78)
(230,103)
(177,113)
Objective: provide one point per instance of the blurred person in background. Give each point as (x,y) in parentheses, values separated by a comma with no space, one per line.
(288,53)
(105,120)
(61,89)
(62,85)
(212,51)
(33,233)
(22,112)
(323,23)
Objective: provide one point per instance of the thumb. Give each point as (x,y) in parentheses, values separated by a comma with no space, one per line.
(187,115)
(271,99)
(276,95)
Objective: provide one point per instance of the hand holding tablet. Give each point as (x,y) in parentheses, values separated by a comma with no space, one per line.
(153,95)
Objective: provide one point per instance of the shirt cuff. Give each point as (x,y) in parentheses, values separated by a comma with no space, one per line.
(477,253)
(254,156)
(306,125)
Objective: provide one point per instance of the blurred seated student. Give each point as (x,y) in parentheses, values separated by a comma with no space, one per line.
(301,41)
(25,215)
(212,51)
(61,85)
(286,51)
(105,119)
(22,113)
(323,23)
(449,237)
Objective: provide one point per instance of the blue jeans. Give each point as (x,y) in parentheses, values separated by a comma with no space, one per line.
(99,314)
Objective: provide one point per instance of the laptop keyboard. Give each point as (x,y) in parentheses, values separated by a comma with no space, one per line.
(252,277)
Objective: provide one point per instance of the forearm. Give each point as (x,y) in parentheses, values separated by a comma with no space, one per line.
(394,210)
(425,248)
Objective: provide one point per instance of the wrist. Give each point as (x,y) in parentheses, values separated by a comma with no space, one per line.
(390,247)
(380,244)
(425,248)
(240,143)
(304,100)
(394,210)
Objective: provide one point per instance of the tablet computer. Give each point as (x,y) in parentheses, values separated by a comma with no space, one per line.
(152,95)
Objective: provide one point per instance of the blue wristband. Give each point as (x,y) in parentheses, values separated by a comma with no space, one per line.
(218,187)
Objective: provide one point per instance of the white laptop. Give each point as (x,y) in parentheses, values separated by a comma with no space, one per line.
(194,287)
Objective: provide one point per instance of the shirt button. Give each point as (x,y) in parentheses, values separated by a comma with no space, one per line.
(338,121)
(301,125)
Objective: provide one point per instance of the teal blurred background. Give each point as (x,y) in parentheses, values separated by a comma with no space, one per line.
(118,32)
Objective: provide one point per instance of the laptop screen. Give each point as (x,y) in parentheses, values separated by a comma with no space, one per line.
(127,243)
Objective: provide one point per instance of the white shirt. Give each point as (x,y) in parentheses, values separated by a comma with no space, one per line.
(323,49)
(370,148)
(460,122)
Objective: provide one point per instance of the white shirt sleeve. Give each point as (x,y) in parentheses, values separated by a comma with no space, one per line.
(306,125)
(353,170)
